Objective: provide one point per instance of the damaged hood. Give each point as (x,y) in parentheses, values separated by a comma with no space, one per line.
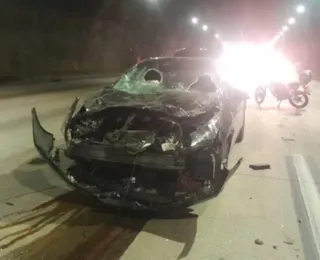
(177,103)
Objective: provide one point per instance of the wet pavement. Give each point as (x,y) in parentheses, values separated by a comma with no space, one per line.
(261,214)
(82,232)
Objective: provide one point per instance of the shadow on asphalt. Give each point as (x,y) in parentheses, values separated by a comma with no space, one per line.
(82,231)
(37,161)
(288,111)
(296,112)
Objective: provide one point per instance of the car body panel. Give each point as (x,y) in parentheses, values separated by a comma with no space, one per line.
(204,127)
(176,103)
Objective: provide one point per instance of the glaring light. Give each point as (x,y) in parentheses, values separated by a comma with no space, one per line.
(217,36)
(291,20)
(246,66)
(205,27)
(276,38)
(194,20)
(285,28)
(300,9)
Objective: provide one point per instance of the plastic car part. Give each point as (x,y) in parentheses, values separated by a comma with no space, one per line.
(262,166)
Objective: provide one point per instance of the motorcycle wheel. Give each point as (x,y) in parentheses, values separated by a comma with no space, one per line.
(298,99)
(260,95)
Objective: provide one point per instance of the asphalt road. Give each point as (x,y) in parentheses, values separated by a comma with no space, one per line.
(270,214)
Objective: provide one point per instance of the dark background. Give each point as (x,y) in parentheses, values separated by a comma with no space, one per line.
(48,37)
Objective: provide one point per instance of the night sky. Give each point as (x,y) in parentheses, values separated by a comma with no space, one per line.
(253,19)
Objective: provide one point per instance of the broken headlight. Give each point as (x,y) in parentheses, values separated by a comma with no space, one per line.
(204,134)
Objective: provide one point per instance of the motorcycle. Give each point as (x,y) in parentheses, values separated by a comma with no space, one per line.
(297,93)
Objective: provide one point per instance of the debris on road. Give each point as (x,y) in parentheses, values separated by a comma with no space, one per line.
(288,139)
(258,242)
(9,204)
(288,241)
(299,221)
(262,166)
(274,247)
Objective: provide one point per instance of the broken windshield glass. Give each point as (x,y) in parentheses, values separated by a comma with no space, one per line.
(176,73)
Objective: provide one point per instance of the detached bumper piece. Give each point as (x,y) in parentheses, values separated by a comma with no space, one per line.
(107,194)
(44,143)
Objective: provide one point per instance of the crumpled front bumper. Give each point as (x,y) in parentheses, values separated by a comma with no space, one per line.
(44,142)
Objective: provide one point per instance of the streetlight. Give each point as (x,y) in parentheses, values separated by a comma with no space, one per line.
(217,36)
(285,28)
(291,20)
(194,20)
(205,27)
(300,9)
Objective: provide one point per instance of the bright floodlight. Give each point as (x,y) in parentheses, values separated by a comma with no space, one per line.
(217,36)
(194,20)
(205,27)
(300,9)
(291,20)
(285,28)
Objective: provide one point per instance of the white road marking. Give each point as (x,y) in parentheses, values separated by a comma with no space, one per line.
(310,196)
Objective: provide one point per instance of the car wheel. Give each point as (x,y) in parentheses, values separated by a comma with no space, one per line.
(260,95)
(298,99)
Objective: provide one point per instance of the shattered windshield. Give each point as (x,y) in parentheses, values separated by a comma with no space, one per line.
(170,85)
(156,75)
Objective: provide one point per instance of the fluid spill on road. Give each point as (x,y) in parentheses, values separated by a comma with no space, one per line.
(84,235)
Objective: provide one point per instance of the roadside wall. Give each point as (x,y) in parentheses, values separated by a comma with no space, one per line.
(46,42)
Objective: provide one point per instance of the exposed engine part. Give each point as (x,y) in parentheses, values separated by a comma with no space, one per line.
(135,141)
(174,141)
(132,132)
(92,124)
(169,145)
(118,134)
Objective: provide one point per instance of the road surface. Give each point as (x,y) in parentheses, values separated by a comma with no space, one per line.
(270,214)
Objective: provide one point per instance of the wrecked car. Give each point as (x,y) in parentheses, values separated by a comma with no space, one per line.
(159,137)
